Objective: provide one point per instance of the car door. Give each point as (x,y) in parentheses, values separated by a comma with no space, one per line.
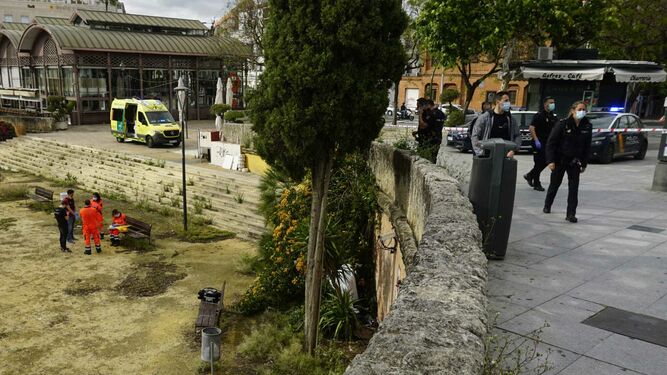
(633,139)
(142,123)
(616,137)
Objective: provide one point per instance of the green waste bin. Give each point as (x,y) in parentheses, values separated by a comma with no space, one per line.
(492,187)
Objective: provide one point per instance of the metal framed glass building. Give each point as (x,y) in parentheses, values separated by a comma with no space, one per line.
(94,57)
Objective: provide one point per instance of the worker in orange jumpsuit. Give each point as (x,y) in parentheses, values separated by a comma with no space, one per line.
(98,205)
(117,219)
(91,227)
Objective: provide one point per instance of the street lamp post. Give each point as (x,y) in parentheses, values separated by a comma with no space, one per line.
(182,101)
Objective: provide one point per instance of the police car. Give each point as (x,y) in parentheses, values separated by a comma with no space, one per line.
(609,142)
(460,139)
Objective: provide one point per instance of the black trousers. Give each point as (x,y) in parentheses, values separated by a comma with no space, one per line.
(557,175)
(63,235)
(540,162)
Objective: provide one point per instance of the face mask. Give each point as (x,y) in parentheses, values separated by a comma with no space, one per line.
(94,198)
(580,114)
(551,106)
(506,106)
(118,215)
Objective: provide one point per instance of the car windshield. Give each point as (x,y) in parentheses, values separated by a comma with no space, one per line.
(601,120)
(162,117)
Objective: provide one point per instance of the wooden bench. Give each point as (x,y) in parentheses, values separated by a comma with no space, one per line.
(42,195)
(138,229)
(209,313)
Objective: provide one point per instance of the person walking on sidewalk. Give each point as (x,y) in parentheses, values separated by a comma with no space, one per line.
(98,205)
(568,150)
(61,215)
(71,218)
(496,124)
(540,128)
(90,227)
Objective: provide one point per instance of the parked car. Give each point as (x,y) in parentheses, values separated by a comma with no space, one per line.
(608,144)
(460,139)
(523,118)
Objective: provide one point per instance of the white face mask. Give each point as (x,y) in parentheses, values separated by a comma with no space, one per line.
(506,106)
(580,114)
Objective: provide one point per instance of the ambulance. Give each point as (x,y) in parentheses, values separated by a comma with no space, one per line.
(147,121)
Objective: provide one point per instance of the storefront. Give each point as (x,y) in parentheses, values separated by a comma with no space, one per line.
(94,57)
(602,84)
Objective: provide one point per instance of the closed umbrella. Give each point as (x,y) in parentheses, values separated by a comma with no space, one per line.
(219,100)
(181,99)
(229,91)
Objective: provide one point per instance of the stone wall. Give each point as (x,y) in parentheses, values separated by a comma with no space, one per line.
(26,124)
(438,322)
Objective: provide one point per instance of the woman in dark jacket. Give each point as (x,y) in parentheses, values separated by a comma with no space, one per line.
(568,149)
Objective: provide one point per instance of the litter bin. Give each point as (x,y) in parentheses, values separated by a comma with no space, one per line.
(210,344)
(660,175)
(492,187)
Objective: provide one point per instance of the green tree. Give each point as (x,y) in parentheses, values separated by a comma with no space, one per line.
(459,33)
(329,64)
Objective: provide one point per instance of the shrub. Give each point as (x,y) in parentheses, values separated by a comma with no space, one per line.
(234,116)
(455,118)
(449,95)
(337,315)
(7,131)
(219,109)
(13,193)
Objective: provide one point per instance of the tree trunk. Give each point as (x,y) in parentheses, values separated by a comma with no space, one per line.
(506,65)
(321,176)
(395,102)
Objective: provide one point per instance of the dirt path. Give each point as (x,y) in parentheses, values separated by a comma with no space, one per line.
(65,313)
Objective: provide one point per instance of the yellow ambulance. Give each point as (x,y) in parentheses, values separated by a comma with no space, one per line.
(147,121)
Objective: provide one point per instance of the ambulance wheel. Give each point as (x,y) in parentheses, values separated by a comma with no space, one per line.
(149,142)
(120,140)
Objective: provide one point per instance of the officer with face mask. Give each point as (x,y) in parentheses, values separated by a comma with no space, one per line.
(540,128)
(568,149)
(496,124)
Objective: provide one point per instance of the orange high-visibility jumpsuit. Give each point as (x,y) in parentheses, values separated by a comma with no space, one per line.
(98,206)
(90,224)
(114,233)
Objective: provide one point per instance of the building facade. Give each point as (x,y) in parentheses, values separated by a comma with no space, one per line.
(93,57)
(24,11)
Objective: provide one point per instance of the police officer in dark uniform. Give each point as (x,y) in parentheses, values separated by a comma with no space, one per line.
(568,150)
(540,128)
(61,214)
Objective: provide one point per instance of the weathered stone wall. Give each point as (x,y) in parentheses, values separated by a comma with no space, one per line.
(437,323)
(25,124)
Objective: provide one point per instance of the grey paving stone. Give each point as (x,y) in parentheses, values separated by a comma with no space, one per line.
(623,292)
(501,310)
(564,333)
(535,247)
(542,354)
(631,354)
(517,293)
(590,366)
(521,258)
(568,308)
(559,281)
(657,309)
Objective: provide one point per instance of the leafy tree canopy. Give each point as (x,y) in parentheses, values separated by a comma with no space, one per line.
(329,64)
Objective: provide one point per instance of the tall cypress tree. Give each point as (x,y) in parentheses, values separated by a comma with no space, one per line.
(329,64)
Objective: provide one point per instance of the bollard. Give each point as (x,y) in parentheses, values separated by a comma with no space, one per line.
(492,188)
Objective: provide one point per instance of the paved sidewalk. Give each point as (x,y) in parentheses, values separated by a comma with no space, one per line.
(560,273)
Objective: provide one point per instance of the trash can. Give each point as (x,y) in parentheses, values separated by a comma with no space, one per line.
(210,344)
(492,187)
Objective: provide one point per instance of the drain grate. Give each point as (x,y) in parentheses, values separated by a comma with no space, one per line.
(642,228)
(629,324)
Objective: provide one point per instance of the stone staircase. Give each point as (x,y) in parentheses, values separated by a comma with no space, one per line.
(232,196)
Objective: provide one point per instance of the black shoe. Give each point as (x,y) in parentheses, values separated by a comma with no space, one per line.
(571,218)
(67,250)
(528,180)
(546,210)
(101,236)
(99,250)
(87,252)
(538,187)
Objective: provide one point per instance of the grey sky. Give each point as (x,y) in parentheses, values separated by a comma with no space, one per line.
(203,10)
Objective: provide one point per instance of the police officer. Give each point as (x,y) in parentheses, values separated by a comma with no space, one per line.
(568,149)
(62,214)
(540,128)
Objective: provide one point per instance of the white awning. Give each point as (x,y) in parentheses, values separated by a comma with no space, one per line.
(594,74)
(623,75)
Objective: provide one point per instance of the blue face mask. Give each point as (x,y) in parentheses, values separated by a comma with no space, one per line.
(551,107)
(506,106)
(580,114)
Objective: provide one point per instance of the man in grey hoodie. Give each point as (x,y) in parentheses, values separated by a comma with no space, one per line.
(497,123)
